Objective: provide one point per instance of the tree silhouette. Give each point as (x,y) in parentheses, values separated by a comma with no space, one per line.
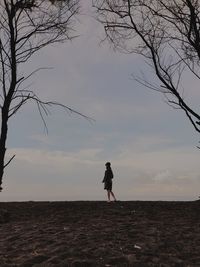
(166,33)
(26,26)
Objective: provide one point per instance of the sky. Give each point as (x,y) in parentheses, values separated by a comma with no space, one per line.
(151,146)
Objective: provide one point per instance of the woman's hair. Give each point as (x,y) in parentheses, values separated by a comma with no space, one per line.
(108,164)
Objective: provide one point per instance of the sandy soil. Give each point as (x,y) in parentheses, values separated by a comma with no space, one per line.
(96,233)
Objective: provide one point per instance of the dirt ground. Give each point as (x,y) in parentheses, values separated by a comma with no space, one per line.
(97,233)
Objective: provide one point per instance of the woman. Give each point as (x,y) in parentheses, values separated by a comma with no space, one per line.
(107,180)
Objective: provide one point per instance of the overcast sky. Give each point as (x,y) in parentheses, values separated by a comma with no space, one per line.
(152,147)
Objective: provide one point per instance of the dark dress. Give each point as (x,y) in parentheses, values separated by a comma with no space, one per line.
(108,179)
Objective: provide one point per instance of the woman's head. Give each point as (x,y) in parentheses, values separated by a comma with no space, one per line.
(107,164)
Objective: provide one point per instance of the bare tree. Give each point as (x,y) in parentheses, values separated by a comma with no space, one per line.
(166,33)
(26,26)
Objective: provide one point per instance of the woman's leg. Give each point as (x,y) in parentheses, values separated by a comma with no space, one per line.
(108,192)
(113,195)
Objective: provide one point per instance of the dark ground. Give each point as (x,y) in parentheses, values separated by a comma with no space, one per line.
(95,233)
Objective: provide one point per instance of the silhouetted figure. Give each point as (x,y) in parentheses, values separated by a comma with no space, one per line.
(107,180)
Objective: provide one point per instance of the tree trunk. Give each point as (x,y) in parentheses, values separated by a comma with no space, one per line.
(4,131)
(8,97)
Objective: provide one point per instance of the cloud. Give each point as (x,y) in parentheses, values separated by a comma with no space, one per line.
(164,175)
(41,138)
(139,174)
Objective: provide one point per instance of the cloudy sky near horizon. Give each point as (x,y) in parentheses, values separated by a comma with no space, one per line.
(152,147)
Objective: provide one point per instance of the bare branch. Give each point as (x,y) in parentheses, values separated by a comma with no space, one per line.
(26,26)
(166,33)
(9,161)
